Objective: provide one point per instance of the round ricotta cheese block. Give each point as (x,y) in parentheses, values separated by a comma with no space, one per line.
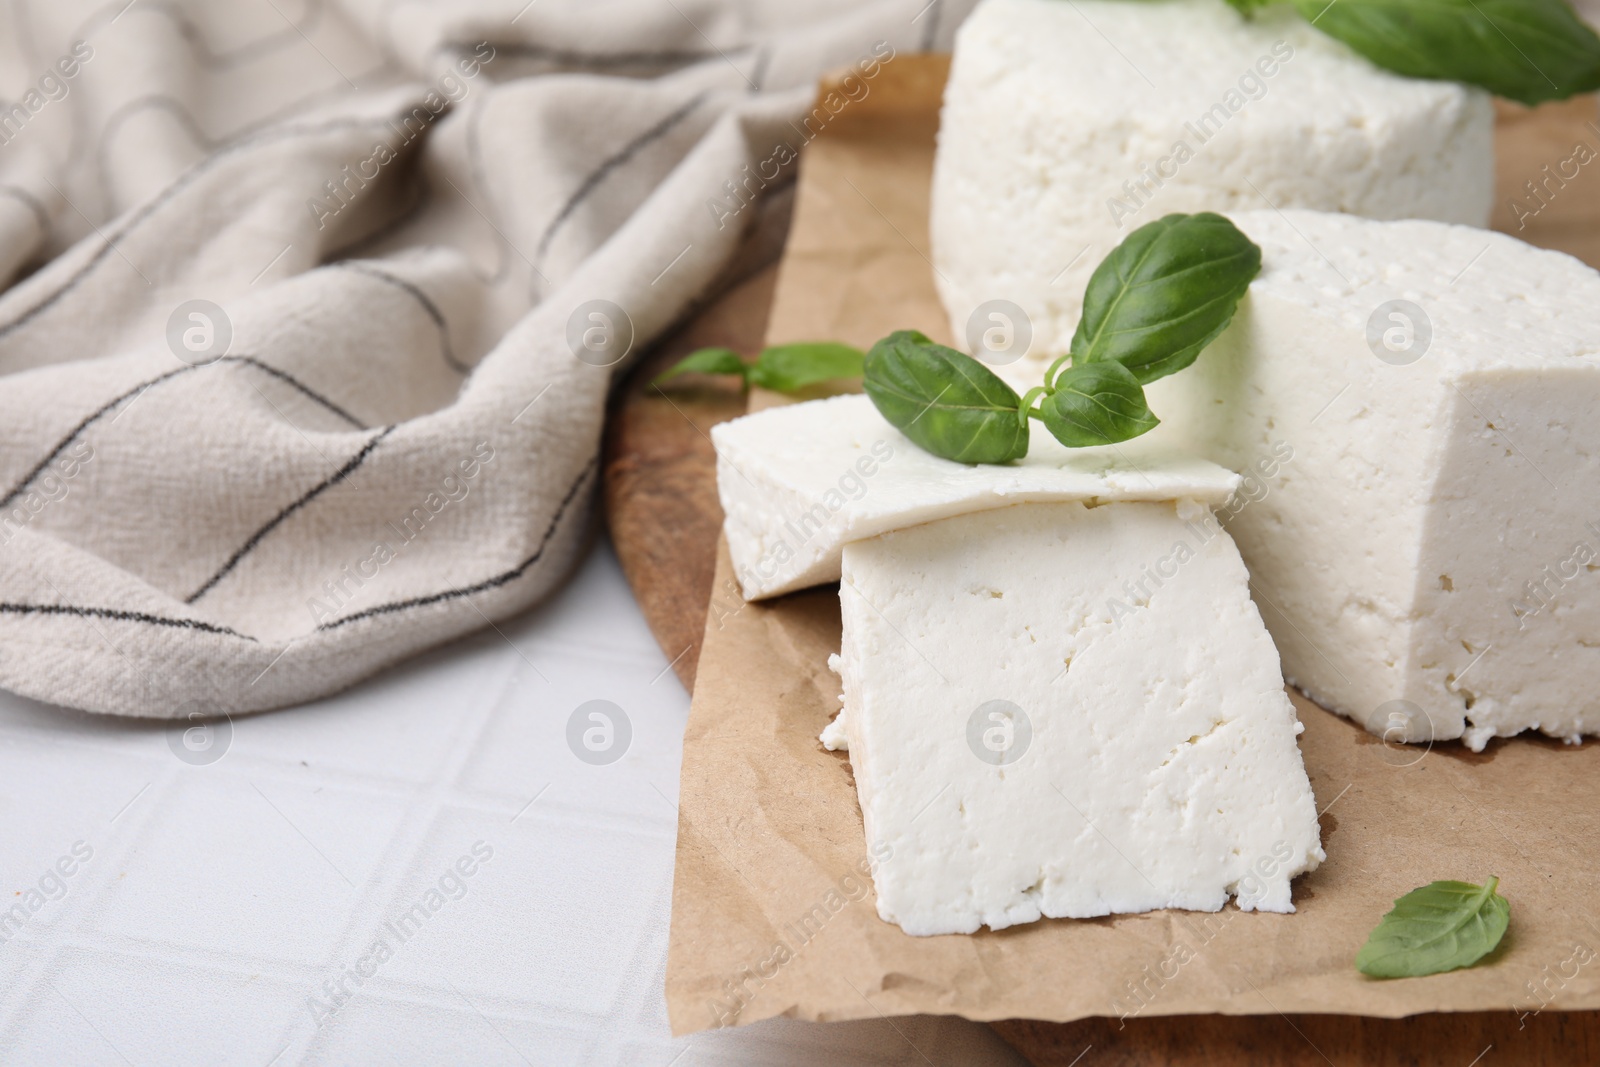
(1066,126)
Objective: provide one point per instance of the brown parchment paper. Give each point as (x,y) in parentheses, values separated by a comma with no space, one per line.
(771,914)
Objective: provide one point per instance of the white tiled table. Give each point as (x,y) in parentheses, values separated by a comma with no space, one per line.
(220,896)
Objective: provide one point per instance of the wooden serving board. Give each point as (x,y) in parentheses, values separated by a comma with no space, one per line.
(662,512)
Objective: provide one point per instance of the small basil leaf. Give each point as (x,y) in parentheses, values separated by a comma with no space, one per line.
(1097,404)
(1440,927)
(786,368)
(1165,293)
(1248,7)
(1527,50)
(707,361)
(946,402)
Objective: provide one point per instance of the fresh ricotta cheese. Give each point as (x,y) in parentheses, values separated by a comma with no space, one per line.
(1068,125)
(1427,558)
(1067,711)
(799,481)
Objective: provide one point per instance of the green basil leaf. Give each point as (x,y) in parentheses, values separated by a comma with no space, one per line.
(1440,927)
(1165,293)
(786,368)
(707,361)
(1526,50)
(946,402)
(1097,404)
(1248,7)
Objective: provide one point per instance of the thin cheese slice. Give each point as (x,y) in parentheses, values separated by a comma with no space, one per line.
(800,481)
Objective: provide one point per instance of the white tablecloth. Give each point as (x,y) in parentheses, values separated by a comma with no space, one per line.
(216,898)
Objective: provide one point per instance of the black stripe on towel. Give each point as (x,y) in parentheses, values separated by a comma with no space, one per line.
(608,60)
(428,306)
(306,390)
(120,616)
(98,413)
(488,583)
(140,214)
(600,173)
(61,447)
(317,490)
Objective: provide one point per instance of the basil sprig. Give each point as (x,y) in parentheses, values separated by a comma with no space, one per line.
(1525,50)
(1150,307)
(783,368)
(1440,927)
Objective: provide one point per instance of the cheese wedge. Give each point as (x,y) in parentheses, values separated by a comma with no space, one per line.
(1055,710)
(1427,557)
(1068,125)
(799,481)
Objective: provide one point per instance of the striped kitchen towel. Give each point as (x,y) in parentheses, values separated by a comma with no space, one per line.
(313,307)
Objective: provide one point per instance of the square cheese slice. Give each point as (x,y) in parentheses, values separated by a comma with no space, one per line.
(799,481)
(1068,125)
(1056,710)
(1426,555)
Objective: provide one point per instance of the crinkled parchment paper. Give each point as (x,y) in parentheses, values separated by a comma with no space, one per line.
(773,910)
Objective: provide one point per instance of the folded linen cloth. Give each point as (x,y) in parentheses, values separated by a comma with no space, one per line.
(315,306)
